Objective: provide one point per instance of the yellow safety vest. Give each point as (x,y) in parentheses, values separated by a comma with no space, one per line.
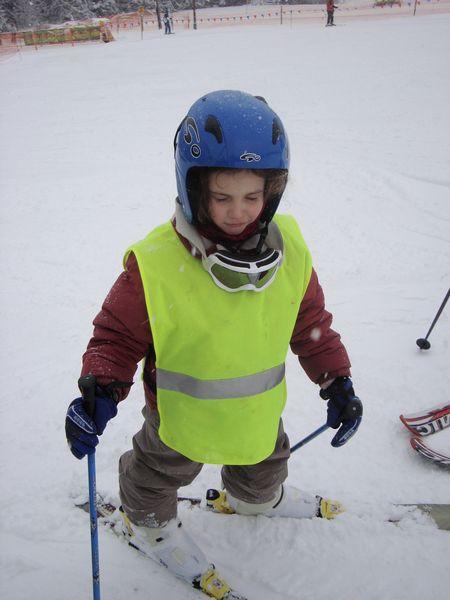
(220,356)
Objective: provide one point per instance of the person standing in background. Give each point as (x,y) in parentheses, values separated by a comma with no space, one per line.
(166,21)
(330,13)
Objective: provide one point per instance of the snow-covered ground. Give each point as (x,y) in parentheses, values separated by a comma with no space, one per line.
(86,168)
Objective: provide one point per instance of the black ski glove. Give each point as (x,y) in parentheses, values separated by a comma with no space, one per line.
(81,430)
(344,409)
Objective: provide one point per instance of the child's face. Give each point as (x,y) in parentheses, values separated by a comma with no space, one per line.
(235,200)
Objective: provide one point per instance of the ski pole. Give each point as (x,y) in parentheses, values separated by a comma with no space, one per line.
(423,343)
(309,437)
(87,387)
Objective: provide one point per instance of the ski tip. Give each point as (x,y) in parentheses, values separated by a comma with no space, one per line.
(429,453)
(427,421)
(405,422)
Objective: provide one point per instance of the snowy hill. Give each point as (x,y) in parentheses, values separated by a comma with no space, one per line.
(86,168)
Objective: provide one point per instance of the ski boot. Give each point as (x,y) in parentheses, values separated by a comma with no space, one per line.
(173,548)
(288,502)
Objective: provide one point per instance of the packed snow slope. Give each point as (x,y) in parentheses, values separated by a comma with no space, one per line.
(87,168)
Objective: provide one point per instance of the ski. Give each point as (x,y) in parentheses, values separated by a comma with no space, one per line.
(106,509)
(439,513)
(209,583)
(428,421)
(424,450)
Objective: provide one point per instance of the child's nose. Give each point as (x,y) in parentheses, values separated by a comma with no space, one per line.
(236,208)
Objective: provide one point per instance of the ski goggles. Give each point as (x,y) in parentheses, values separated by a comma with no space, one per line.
(235,273)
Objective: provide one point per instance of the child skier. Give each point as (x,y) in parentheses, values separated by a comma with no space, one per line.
(212,300)
(330,13)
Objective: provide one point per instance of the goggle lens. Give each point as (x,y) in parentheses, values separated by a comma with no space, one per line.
(234,280)
(228,278)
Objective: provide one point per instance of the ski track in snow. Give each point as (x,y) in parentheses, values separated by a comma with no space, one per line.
(86,168)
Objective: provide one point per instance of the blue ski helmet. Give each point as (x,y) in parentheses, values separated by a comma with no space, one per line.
(229,129)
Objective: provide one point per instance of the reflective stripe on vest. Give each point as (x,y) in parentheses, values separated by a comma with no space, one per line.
(219,355)
(220,389)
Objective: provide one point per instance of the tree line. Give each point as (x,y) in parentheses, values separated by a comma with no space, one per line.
(23,14)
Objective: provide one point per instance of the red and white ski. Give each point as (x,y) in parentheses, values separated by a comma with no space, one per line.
(421,447)
(428,421)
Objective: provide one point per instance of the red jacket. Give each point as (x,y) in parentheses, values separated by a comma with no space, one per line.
(330,6)
(122,337)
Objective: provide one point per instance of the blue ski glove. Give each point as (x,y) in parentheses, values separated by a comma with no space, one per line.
(344,409)
(82,430)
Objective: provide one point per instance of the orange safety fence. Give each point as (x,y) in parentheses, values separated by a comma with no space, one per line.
(9,43)
(13,42)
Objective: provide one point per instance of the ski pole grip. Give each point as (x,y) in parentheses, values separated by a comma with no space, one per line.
(87,385)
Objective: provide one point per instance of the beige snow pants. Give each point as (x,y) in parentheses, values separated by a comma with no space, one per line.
(151,473)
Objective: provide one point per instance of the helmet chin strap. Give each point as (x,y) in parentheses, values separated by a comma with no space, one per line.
(262,237)
(262,231)
(237,246)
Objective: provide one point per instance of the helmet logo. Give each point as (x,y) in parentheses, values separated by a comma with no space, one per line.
(191,132)
(250,157)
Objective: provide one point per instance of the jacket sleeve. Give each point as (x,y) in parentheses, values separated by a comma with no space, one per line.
(122,335)
(320,351)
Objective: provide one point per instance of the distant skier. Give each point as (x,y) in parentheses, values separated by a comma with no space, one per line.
(330,13)
(211,301)
(167,23)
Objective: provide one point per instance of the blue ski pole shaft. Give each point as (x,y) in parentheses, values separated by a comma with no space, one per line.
(309,437)
(94,530)
(87,387)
